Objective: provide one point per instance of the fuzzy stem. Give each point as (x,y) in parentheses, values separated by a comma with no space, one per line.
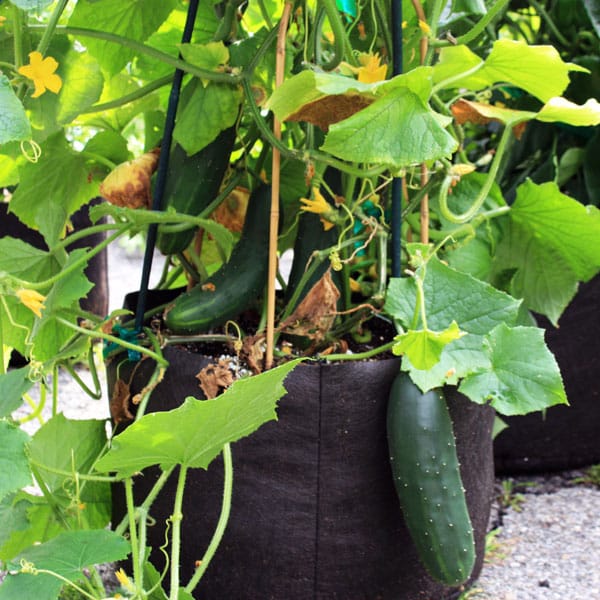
(222,522)
(51,26)
(176,519)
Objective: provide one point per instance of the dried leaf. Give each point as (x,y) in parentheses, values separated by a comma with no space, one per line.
(253,352)
(128,184)
(314,316)
(214,378)
(119,402)
(330,109)
(232,211)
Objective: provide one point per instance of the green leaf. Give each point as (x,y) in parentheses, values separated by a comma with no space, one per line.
(13,462)
(424,347)
(206,112)
(9,172)
(72,446)
(136,20)
(40,526)
(82,85)
(397,130)
(13,385)
(110,145)
(68,555)
(563,111)
(24,261)
(450,295)
(523,375)
(538,70)
(45,198)
(211,56)
(14,124)
(552,242)
(13,515)
(194,433)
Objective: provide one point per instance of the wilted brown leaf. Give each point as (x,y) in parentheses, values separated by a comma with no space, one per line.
(119,402)
(128,184)
(214,378)
(314,316)
(330,109)
(232,211)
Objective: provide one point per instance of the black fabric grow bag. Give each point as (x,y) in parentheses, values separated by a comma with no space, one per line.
(564,437)
(314,511)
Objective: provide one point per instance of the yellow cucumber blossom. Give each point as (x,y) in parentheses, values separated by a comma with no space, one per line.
(371,69)
(33,300)
(424,27)
(41,71)
(125,581)
(321,207)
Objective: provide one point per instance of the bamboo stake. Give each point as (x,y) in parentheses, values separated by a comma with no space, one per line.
(275,173)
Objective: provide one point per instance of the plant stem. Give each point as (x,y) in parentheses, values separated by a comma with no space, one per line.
(133,537)
(127,98)
(551,25)
(111,338)
(222,522)
(51,26)
(176,519)
(17,36)
(69,474)
(485,188)
(148,500)
(149,51)
(477,29)
(359,355)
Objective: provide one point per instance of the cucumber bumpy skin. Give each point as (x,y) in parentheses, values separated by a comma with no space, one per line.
(192,184)
(237,284)
(427,479)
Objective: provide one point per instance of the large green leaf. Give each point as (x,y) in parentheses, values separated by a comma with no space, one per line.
(523,375)
(194,433)
(13,462)
(13,516)
(538,70)
(25,261)
(398,130)
(135,19)
(206,112)
(72,446)
(45,197)
(67,555)
(552,242)
(14,124)
(82,85)
(451,296)
(13,385)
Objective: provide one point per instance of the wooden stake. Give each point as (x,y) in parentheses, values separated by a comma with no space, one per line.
(275,173)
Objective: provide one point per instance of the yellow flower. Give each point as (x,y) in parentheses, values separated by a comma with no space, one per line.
(33,300)
(2,19)
(41,72)
(124,580)
(424,27)
(371,69)
(319,206)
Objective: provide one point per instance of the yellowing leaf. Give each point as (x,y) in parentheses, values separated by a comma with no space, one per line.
(424,347)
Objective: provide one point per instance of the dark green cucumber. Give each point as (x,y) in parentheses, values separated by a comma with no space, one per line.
(427,479)
(192,184)
(237,284)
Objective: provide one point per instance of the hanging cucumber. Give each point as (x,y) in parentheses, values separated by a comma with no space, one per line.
(427,479)
(237,284)
(192,184)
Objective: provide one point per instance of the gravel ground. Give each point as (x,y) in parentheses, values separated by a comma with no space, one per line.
(546,544)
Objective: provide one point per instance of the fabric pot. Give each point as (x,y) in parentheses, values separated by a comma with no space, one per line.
(565,437)
(314,511)
(96,271)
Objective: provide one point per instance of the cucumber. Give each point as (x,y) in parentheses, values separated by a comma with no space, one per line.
(237,284)
(192,184)
(427,479)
